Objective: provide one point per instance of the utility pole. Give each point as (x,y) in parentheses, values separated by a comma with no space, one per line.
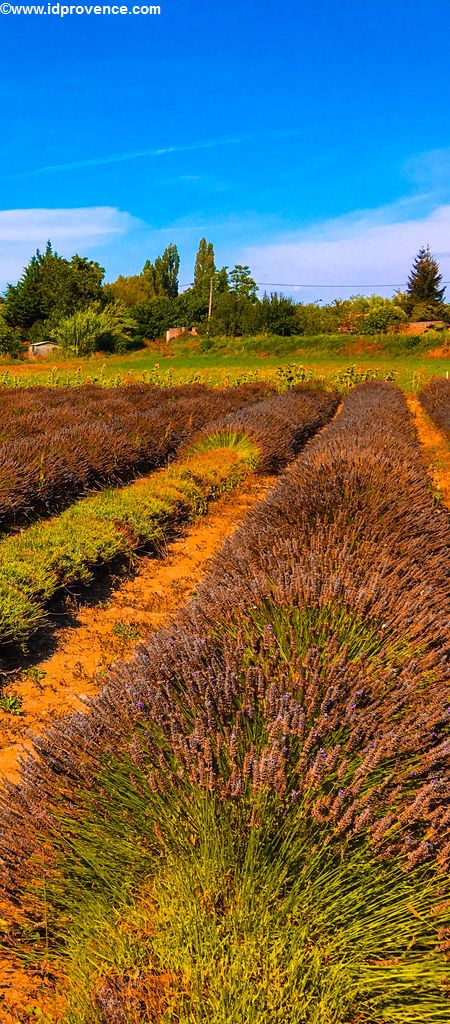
(210,303)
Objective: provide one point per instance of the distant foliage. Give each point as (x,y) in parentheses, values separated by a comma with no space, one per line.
(380,317)
(220,302)
(205,268)
(131,290)
(163,273)
(241,283)
(278,315)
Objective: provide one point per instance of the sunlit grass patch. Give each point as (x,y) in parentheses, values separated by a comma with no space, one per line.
(50,555)
(250,913)
(233,440)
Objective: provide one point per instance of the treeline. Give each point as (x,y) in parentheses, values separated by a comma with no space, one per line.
(67,302)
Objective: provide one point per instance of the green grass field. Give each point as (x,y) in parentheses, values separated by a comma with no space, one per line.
(406,358)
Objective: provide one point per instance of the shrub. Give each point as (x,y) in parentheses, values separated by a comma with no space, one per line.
(94,328)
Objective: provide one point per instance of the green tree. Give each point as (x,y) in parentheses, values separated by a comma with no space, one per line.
(154,318)
(163,273)
(313,318)
(242,283)
(167,268)
(52,288)
(191,309)
(234,315)
(23,303)
(153,279)
(380,317)
(278,315)
(130,290)
(221,281)
(401,299)
(424,288)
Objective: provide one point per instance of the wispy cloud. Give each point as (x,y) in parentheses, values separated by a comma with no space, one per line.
(23,231)
(188,147)
(364,251)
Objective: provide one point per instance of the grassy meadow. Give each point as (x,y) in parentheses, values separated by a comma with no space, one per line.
(410,360)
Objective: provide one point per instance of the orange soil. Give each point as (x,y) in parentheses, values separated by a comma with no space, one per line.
(436,450)
(147,996)
(104,633)
(22,993)
(29,367)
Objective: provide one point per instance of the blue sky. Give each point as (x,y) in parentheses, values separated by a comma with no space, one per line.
(311,141)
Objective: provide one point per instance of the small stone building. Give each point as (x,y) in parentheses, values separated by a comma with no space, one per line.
(177,332)
(41,348)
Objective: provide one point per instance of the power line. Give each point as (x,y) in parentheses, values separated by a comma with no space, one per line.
(281,284)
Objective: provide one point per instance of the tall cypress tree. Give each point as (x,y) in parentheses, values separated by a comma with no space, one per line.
(424,288)
(205,267)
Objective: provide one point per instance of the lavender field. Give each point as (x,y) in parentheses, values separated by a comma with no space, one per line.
(249,823)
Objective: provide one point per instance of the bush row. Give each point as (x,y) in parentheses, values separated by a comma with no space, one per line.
(282,746)
(29,411)
(36,563)
(94,436)
(435,398)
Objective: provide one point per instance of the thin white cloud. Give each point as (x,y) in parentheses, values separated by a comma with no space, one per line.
(90,223)
(23,231)
(430,169)
(117,158)
(370,251)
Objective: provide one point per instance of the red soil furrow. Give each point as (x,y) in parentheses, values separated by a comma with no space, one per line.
(435,449)
(104,633)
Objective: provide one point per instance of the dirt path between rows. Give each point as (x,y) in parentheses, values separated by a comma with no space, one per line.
(102,634)
(435,449)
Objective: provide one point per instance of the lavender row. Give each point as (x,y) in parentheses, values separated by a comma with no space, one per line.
(435,399)
(99,437)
